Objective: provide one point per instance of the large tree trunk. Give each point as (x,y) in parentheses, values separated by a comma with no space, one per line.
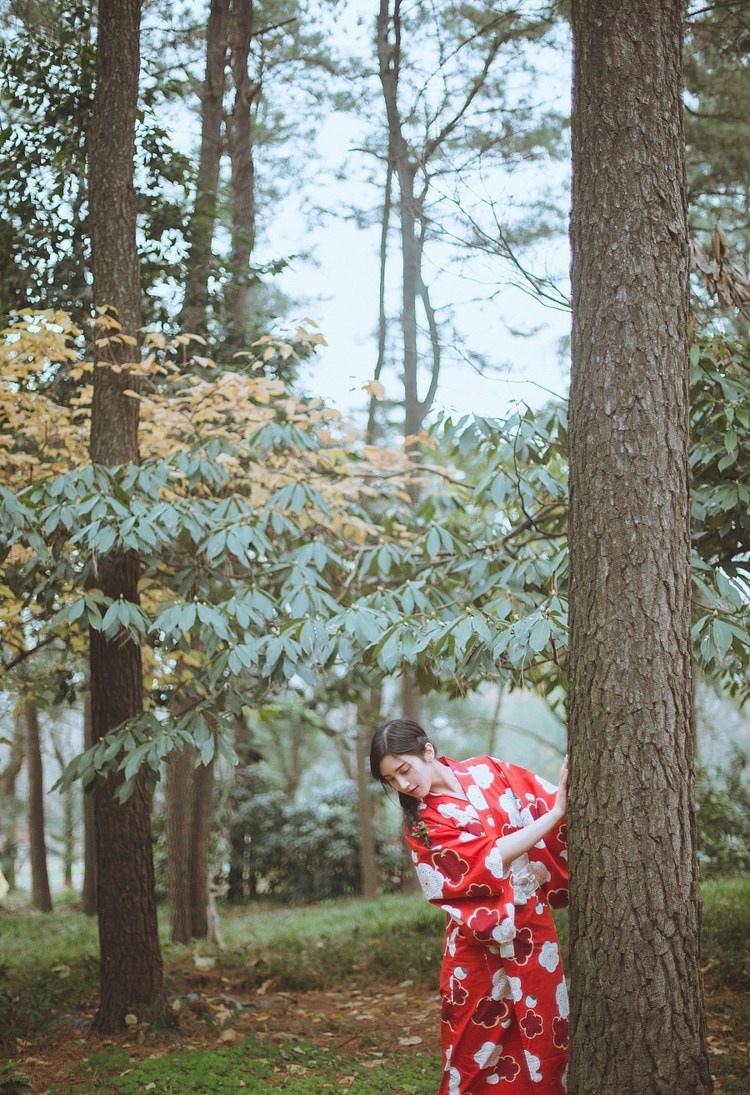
(243,173)
(201,231)
(637,1010)
(8,802)
(88,896)
(367,715)
(131,966)
(40,893)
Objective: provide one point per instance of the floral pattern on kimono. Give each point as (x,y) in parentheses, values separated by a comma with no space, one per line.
(504,1000)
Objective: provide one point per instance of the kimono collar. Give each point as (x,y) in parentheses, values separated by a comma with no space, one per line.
(474,776)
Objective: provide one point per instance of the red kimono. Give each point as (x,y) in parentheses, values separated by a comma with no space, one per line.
(504,1017)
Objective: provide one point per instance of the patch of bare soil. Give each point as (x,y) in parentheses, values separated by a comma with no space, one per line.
(216,1008)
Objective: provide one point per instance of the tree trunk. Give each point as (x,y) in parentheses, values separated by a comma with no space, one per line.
(243,173)
(9,804)
(68,822)
(178,810)
(88,896)
(237,860)
(200,831)
(131,966)
(367,714)
(40,893)
(637,1010)
(201,231)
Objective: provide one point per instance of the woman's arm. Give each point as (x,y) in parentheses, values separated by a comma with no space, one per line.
(510,847)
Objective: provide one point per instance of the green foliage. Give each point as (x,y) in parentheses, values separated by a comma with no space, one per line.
(310,851)
(47,63)
(723,812)
(469,583)
(13,1081)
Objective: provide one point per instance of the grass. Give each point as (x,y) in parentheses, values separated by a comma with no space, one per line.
(50,964)
(252,1067)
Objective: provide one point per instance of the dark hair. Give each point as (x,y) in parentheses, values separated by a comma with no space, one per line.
(395,738)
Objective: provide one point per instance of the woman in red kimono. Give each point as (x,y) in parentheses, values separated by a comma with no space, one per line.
(488,842)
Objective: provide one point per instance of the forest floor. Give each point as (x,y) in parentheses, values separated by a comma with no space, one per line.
(339,997)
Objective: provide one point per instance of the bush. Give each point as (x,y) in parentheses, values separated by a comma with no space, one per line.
(310,851)
(723,812)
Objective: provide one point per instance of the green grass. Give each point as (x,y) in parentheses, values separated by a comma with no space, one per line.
(50,963)
(394,936)
(252,1067)
(726,930)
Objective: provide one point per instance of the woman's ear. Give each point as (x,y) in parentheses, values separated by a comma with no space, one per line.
(429,751)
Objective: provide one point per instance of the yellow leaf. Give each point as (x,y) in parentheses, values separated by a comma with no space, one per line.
(374,387)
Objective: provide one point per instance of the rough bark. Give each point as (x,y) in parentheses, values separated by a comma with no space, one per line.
(40,893)
(8,802)
(637,1011)
(203,219)
(241,138)
(131,966)
(368,711)
(178,815)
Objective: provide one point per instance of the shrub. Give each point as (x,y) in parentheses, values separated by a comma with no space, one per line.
(723,812)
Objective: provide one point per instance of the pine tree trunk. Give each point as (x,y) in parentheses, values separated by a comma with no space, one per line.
(179,798)
(131,966)
(367,715)
(243,173)
(203,786)
(637,1010)
(88,895)
(8,802)
(40,892)
(201,232)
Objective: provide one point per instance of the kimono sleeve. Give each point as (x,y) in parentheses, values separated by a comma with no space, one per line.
(537,797)
(463,874)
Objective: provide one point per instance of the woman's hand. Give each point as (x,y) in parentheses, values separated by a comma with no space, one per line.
(561,800)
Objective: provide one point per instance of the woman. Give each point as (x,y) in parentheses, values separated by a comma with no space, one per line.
(488,842)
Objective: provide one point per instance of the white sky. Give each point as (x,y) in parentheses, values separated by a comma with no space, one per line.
(341,289)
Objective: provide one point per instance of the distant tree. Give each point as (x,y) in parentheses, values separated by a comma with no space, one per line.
(40,892)
(630,674)
(717,103)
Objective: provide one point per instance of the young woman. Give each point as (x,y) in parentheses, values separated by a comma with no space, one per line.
(488,842)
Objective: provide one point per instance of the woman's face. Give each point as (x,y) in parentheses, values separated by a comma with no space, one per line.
(409,774)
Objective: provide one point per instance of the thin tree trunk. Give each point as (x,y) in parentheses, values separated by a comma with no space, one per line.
(68,824)
(203,219)
(495,724)
(237,859)
(203,787)
(370,431)
(637,1008)
(88,896)
(131,965)
(40,893)
(367,714)
(243,172)
(178,821)
(8,803)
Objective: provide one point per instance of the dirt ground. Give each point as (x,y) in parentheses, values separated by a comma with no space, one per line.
(216,1008)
